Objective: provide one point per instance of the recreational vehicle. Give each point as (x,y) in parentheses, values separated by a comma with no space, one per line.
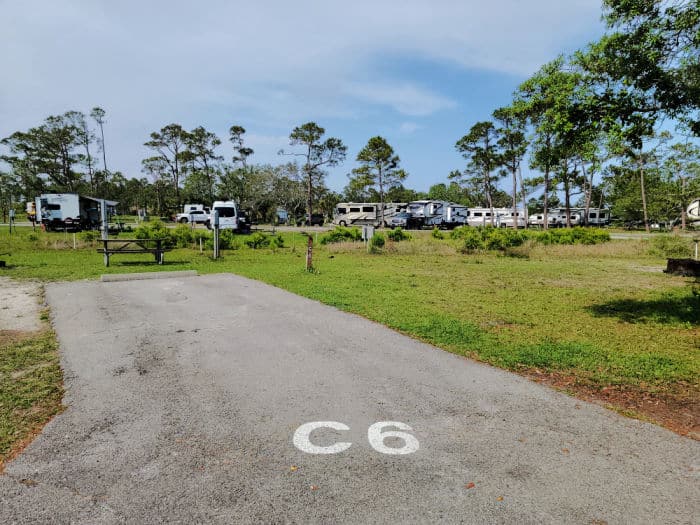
(435,214)
(70,211)
(502,217)
(693,212)
(365,213)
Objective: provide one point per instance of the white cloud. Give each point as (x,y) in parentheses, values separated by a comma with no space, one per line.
(409,127)
(268,65)
(405,98)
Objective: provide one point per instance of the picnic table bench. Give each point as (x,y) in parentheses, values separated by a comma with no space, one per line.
(117,246)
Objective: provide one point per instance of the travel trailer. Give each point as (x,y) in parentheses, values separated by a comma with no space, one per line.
(365,213)
(70,211)
(502,217)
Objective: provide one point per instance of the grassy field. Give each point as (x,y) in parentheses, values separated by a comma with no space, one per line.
(592,317)
(31,388)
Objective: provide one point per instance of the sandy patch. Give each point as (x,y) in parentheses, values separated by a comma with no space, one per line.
(19,306)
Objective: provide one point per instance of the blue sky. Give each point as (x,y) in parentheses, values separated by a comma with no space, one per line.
(419,73)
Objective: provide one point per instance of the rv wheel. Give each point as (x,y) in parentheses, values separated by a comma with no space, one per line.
(342,223)
(183,220)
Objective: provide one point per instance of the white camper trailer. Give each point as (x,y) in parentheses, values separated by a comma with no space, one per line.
(365,213)
(502,217)
(70,211)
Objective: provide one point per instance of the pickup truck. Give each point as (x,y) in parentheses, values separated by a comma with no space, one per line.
(195,216)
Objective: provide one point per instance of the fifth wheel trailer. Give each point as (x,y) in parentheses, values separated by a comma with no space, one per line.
(70,211)
(365,213)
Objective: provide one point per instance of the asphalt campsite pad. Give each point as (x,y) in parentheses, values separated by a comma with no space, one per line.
(220,399)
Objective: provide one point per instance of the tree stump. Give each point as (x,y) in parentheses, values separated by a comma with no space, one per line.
(684,267)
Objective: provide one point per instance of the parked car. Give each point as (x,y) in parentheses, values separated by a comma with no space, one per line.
(400,220)
(194,216)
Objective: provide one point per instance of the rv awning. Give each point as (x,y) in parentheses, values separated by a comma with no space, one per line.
(108,203)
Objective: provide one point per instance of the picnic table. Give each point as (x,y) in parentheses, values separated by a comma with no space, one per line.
(119,246)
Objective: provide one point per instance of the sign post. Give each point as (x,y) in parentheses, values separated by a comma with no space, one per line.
(215,223)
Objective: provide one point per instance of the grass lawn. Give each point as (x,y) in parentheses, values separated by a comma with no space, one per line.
(31,388)
(601,321)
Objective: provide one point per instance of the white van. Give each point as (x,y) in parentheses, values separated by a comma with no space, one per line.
(230,217)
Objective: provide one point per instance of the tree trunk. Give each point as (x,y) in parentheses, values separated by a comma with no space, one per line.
(524,196)
(381,198)
(567,194)
(644,196)
(683,205)
(515,198)
(545,213)
(588,192)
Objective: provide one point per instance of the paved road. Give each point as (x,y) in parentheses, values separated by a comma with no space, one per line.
(184,397)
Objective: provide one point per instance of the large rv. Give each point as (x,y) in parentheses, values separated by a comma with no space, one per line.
(693,212)
(502,217)
(556,217)
(435,214)
(365,213)
(70,211)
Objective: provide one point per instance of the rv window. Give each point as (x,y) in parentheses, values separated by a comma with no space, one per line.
(593,215)
(367,209)
(226,212)
(477,214)
(53,206)
(342,211)
(354,210)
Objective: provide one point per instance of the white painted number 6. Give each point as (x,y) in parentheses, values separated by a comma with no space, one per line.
(376,438)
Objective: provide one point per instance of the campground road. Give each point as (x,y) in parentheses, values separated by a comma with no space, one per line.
(184,396)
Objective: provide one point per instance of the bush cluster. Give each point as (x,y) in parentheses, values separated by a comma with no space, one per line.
(670,246)
(489,238)
(437,234)
(376,243)
(341,234)
(397,235)
(155,230)
(260,240)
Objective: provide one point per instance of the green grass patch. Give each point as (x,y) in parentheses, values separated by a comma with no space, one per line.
(31,388)
(600,311)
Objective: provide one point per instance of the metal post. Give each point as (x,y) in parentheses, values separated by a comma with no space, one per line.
(12,218)
(103,214)
(215,221)
(309,253)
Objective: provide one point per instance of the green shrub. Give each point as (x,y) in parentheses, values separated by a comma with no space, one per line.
(227,239)
(33,237)
(376,243)
(257,240)
(437,234)
(182,235)
(670,246)
(397,235)
(86,236)
(155,230)
(341,234)
(489,238)
(276,242)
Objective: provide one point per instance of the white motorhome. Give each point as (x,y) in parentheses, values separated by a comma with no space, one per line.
(596,216)
(365,213)
(502,217)
(187,208)
(435,214)
(70,211)
(230,217)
